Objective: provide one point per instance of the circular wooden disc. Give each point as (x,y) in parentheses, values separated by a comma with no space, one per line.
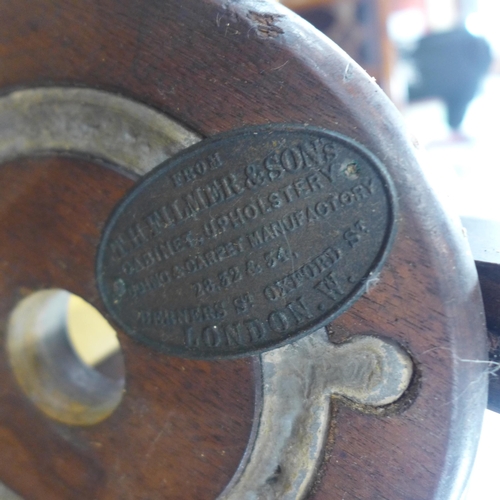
(183,426)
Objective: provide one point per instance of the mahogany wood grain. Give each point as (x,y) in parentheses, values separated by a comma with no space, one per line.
(216,66)
(182,426)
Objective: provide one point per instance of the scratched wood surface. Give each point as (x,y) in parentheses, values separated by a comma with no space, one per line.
(183,426)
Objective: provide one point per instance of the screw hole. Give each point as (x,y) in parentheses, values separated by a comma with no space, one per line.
(66,357)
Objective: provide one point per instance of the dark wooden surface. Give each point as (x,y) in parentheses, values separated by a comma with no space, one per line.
(178,418)
(216,66)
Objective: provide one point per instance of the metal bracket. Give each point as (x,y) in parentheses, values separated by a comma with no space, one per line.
(298,383)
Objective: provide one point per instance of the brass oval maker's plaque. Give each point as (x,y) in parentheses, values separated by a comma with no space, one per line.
(246,241)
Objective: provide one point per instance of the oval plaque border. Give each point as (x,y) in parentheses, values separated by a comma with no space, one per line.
(190,152)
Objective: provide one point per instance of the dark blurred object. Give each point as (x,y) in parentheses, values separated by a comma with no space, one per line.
(358,27)
(484,239)
(489,278)
(451,66)
(322,18)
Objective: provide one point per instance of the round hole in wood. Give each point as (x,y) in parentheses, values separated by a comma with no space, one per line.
(65,357)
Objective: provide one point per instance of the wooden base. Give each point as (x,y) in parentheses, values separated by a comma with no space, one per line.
(182,426)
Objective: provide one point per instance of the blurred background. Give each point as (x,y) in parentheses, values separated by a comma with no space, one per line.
(439,62)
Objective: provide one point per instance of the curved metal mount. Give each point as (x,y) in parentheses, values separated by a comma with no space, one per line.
(89,122)
(298,383)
